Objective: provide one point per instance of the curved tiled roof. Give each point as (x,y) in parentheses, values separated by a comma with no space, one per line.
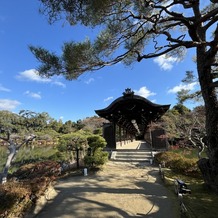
(132,112)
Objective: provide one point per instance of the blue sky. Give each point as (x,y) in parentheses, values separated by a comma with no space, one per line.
(21,88)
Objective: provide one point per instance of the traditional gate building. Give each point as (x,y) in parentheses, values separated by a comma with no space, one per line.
(129,118)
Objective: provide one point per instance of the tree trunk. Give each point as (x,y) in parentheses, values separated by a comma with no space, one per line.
(209,167)
(13,149)
(12,153)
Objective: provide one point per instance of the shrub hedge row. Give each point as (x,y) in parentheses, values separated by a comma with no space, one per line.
(178,163)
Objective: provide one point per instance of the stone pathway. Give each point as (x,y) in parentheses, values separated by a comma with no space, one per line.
(119,190)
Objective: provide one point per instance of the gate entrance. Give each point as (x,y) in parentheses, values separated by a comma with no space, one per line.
(129,118)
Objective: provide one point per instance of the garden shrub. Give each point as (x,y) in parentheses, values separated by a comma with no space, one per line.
(97,156)
(69,143)
(58,156)
(89,160)
(178,163)
(38,170)
(100,157)
(167,157)
(15,198)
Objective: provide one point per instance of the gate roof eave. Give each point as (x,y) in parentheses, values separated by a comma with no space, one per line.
(130,108)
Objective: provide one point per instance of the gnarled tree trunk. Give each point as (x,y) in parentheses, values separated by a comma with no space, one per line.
(12,152)
(13,149)
(209,167)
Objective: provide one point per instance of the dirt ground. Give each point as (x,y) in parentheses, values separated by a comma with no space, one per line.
(119,190)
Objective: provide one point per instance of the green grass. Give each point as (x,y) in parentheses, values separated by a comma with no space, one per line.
(202,202)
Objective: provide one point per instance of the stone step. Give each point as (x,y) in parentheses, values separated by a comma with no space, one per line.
(133,150)
(133,156)
(131,160)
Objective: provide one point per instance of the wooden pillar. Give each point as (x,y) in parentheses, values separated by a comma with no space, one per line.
(120,135)
(150,131)
(114,134)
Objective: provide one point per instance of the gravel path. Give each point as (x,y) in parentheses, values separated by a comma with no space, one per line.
(119,190)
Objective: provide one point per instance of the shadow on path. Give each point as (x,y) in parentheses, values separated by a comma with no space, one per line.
(126,192)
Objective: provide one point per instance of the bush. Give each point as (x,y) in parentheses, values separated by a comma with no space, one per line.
(14,199)
(38,170)
(89,160)
(100,158)
(97,156)
(17,196)
(167,157)
(95,142)
(178,163)
(58,156)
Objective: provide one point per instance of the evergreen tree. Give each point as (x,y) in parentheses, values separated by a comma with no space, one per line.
(137,30)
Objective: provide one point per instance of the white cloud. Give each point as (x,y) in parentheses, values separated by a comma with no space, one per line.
(2,88)
(182,86)
(166,63)
(32,75)
(7,104)
(108,99)
(144,92)
(59,84)
(33,95)
(89,80)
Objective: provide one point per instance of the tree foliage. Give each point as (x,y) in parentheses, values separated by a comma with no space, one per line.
(179,121)
(69,143)
(135,30)
(72,140)
(186,127)
(96,156)
(96,142)
(17,130)
(26,122)
(128,31)
(186,94)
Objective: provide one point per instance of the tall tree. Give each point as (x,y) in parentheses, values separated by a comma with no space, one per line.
(185,127)
(17,130)
(141,29)
(187,94)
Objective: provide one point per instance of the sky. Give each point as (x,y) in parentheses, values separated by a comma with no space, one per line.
(21,88)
